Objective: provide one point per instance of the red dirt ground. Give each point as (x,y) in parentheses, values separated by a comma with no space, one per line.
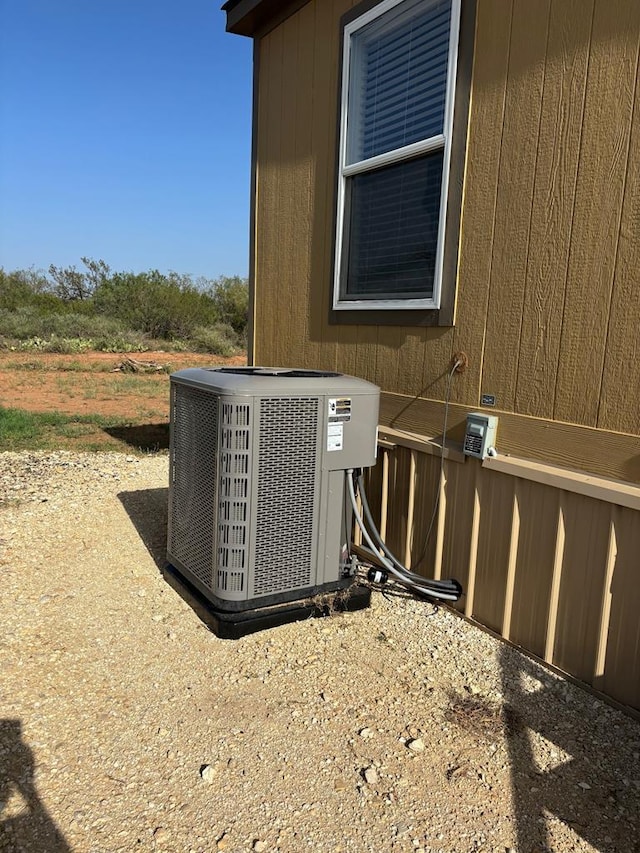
(89,384)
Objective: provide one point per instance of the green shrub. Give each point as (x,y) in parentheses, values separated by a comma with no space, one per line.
(230,297)
(160,306)
(124,342)
(23,287)
(121,312)
(21,323)
(28,322)
(218,340)
(171,346)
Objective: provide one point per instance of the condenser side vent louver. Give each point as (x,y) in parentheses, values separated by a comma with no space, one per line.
(287,494)
(193,493)
(233,497)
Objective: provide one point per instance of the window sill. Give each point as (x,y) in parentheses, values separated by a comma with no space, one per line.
(380,317)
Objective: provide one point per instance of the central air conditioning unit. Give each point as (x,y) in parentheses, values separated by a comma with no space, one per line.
(258,519)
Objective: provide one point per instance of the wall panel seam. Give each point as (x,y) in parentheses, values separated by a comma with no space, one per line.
(634,114)
(495,208)
(573,206)
(533,189)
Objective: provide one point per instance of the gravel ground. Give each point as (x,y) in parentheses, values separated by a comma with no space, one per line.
(126,725)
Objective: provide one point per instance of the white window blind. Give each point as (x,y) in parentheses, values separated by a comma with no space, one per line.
(394,230)
(396,125)
(399,79)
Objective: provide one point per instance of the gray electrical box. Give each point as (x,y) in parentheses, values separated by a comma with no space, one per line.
(258,455)
(480,435)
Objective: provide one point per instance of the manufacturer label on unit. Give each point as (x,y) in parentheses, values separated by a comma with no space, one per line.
(339,413)
(335,436)
(339,409)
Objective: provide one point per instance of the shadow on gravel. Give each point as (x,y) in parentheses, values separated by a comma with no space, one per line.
(25,823)
(590,788)
(146,437)
(148,512)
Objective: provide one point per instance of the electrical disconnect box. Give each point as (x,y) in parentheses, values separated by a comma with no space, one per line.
(480,435)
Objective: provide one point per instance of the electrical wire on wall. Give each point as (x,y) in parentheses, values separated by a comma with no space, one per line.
(443,590)
(459,362)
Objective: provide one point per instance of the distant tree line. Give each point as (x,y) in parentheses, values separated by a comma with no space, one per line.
(121,310)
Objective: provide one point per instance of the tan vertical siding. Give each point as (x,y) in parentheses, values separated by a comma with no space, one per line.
(581,588)
(406,359)
(366,352)
(458,521)
(519,152)
(397,510)
(621,675)
(620,395)
(535,559)
(596,220)
(298,72)
(558,152)
(493,550)
(545,305)
(267,188)
(488,93)
(427,479)
(326,87)
(293,183)
(294,193)
(389,358)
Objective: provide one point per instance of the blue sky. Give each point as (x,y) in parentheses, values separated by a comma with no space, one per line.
(125,134)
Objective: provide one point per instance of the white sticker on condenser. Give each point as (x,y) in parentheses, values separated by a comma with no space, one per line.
(335,436)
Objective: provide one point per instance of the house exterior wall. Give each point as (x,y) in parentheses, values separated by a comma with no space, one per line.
(547,311)
(546,302)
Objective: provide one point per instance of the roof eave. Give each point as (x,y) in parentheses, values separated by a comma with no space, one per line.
(245,17)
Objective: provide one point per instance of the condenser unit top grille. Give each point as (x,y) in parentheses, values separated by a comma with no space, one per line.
(276,381)
(280,372)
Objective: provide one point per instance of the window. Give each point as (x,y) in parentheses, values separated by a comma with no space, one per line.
(399,65)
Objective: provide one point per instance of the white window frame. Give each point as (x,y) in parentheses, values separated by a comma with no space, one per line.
(435,143)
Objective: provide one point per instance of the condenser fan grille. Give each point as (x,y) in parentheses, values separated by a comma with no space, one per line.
(287,489)
(193,495)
